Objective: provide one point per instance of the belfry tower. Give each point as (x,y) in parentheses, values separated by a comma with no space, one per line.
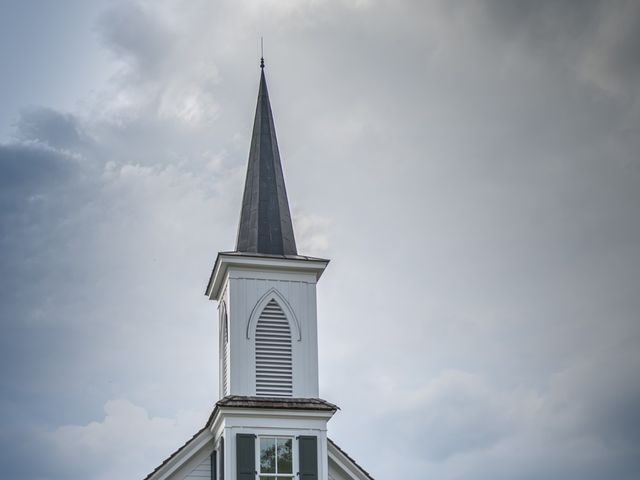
(269,423)
(266,292)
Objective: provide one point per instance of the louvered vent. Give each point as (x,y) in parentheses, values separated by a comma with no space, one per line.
(273,353)
(225,356)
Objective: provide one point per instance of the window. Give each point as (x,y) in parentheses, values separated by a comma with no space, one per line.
(274,375)
(275,458)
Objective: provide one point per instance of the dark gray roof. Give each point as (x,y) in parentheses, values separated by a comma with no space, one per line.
(237,401)
(265,221)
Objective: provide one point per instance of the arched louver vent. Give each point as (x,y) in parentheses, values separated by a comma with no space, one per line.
(273,353)
(225,355)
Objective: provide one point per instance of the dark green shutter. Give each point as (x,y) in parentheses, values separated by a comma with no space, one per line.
(222,459)
(213,465)
(308,452)
(246,456)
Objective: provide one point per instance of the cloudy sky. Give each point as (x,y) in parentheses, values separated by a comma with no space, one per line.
(472,169)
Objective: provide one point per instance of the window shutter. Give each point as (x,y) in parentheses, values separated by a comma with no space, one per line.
(213,465)
(246,456)
(308,452)
(222,458)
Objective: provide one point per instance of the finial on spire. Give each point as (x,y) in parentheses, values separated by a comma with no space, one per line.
(261,53)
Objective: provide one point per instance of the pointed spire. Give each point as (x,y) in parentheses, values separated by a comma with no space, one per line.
(265,221)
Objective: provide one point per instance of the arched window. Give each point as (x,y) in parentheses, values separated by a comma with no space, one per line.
(274,373)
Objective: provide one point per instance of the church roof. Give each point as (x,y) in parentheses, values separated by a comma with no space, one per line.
(238,401)
(349,458)
(265,220)
(184,446)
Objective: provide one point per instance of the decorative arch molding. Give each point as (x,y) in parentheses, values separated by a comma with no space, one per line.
(273,294)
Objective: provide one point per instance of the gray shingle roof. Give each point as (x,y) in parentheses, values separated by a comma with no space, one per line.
(237,401)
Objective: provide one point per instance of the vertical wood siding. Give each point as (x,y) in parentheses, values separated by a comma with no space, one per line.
(245,290)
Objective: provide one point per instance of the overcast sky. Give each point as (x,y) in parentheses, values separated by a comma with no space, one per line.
(472,169)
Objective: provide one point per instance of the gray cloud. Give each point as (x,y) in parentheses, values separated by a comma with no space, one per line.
(26,167)
(460,415)
(137,36)
(48,126)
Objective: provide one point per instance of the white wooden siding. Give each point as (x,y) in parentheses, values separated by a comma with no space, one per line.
(203,470)
(245,288)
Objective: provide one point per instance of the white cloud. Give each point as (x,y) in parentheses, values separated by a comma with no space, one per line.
(126,443)
(311,233)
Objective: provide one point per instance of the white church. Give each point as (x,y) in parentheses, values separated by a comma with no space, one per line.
(269,423)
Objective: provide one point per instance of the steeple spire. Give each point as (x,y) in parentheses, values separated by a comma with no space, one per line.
(265,221)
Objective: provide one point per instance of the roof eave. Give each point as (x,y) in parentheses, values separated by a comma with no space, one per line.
(270,407)
(341,457)
(224,260)
(181,455)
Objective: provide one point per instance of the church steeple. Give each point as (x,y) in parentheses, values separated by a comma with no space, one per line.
(265,221)
(269,422)
(266,291)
